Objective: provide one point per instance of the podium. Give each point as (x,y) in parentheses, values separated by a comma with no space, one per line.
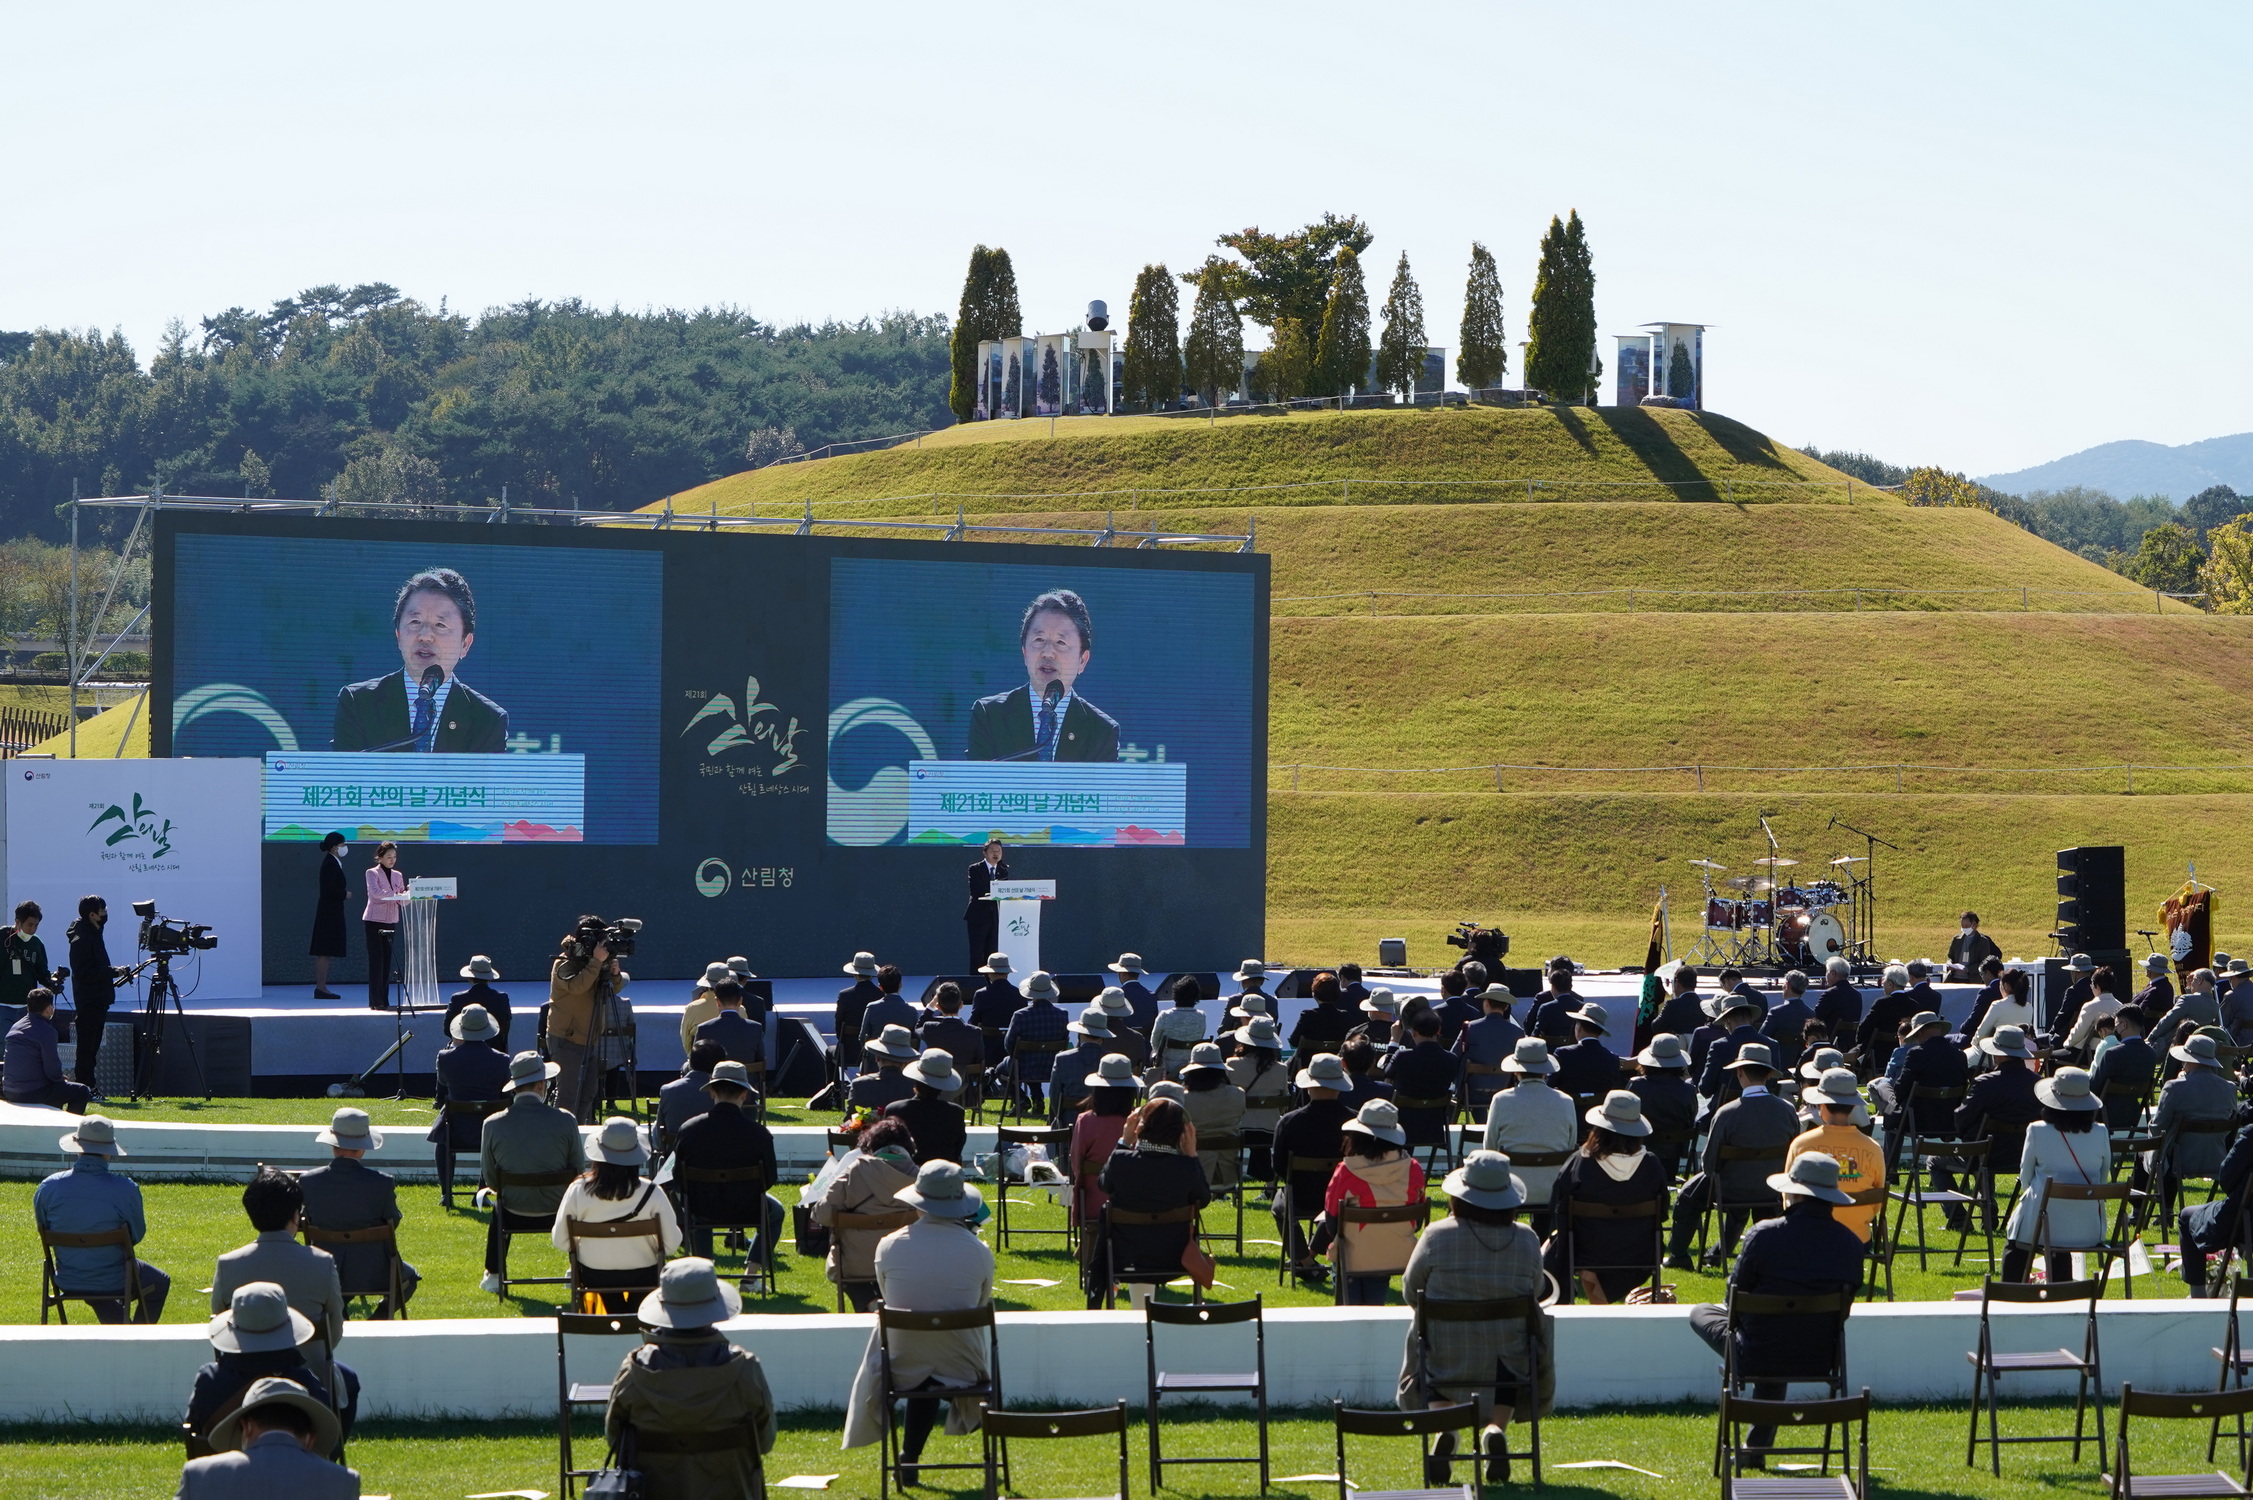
(1019,902)
(418,940)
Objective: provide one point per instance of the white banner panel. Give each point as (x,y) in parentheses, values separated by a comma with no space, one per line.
(1054,802)
(183,833)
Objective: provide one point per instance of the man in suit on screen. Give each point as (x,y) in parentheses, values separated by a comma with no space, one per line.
(423,706)
(1046,718)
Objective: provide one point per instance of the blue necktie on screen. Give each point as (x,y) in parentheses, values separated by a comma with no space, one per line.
(426,715)
(1045,737)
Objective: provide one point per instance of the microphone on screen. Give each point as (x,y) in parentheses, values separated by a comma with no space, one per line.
(432,675)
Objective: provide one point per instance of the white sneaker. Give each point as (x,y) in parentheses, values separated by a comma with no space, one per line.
(491,1283)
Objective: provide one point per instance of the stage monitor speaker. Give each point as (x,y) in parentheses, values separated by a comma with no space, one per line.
(1298,984)
(1392,953)
(1208,986)
(1075,990)
(969,984)
(1523,983)
(2092,898)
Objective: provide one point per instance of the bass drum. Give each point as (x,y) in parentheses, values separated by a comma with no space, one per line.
(1826,935)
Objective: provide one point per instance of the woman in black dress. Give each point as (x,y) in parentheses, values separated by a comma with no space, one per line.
(1610,1256)
(328,915)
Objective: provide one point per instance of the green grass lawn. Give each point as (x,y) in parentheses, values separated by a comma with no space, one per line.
(1915,1451)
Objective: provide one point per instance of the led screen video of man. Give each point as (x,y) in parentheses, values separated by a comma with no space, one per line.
(424,706)
(1046,717)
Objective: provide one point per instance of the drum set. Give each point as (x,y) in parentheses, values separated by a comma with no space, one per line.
(1780,920)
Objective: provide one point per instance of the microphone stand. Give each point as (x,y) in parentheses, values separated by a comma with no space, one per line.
(1866,914)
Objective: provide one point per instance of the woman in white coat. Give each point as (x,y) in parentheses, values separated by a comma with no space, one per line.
(2069,1144)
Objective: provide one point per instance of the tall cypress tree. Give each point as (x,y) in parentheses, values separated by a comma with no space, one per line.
(1214,355)
(1481,357)
(962,347)
(1152,373)
(1004,319)
(1341,349)
(1562,328)
(1286,371)
(1400,353)
(1681,375)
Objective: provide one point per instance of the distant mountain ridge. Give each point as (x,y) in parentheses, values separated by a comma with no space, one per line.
(2134,467)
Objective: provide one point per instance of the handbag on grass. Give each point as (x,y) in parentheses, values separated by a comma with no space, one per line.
(620,1477)
(1194,1259)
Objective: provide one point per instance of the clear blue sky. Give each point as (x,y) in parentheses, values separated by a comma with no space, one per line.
(1976,235)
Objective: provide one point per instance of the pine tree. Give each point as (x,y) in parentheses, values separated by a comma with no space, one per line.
(1341,351)
(1481,357)
(1152,376)
(1400,353)
(988,311)
(1562,329)
(1286,369)
(1681,375)
(1051,393)
(1003,318)
(1214,356)
(1093,376)
(1013,390)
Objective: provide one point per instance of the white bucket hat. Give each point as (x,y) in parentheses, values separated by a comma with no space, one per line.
(935,1069)
(1837,1086)
(259,1320)
(1593,1017)
(1621,1113)
(894,1041)
(1259,1031)
(716,974)
(1251,968)
(1665,1051)
(1091,1022)
(728,1070)
(1039,985)
(1205,1058)
(1812,1175)
(349,1130)
(94,1136)
(1485,1181)
(529,1070)
(474,1024)
(942,1190)
(2008,1041)
(863,964)
(619,1142)
(2069,1088)
(1114,1071)
(480,967)
(1114,1002)
(996,964)
(226,1433)
(689,1294)
(1531,1055)
(1129,964)
(1326,1071)
(1379,1118)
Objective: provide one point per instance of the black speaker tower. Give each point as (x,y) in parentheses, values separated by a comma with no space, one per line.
(2092,900)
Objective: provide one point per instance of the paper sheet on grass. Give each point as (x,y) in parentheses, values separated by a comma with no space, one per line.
(1605,1463)
(1040,1281)
(1313,1479)
(508,1495)
(1188,1281)
(803,1482)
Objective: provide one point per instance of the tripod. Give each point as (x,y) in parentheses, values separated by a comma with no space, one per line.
(163,986)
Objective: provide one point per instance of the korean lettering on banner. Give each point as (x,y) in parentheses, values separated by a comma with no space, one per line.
(392,796)
(1021,802)
(769,875)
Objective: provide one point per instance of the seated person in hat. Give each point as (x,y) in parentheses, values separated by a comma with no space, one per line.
(1255,1065)
(1609,1257)
(852,1001)
(996,1001)
(1067,1079)
(881,1162)
(1377,1172)
(1483,1044)
(481,973)
(256,1335)
(1836,1094)
(347,1194)
(727,1138)
(936,1264)
(307,1277)
(1041,1022)
(1311,1132)
(1215,1108)
(531,1138)
(881,1084)
(682,1099)
(1786,1025)
(1820,1061)
(2124,1070)
(472,1079)
(1756,1118)
(2102,1005)
(1702,1040)
(1533,1124)
(1970,948)
(1551,1015)
(1360,1057)
(2158,992)
(2067,1146)
(695,1401)
(2206,1228)
(701,1005)
(1179,1029)
(2202,1093)
(1840,1004)
(1588,1068)
(272,1444)
(740,1037)
(2014,1007)
(1670,1101)
(1478,1253)
(888,1008)
(88,1198)
(1875,1038)
(1142,1003)
(1380,1014)
(1118,1011)
(944,1030)
(2237,1003)
(612,1190)
(1924,1060)
(2000,1105)
(1806,1252)
(1740,1025)
(939,1127)
(1251,985)
(2083,969)
(1424,1070)
(2198,1004)
(1324,1025)
(1113,1090)
(31,1059)
(1153,1171)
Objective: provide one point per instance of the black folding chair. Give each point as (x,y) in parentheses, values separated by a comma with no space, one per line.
(1964,1159)
(508,1235)
(690,1223)
(572,1395)
(1437,1143)
(1201,1384)
(472,1110)
(2117,1237)
(1848,1416)
(2167,1183)
(394,1269)
(1988,1365)
(1719,1205)
(1058,1143)
(1827,1312)
(1000,1426)
(1420,1425)
(880,1225)
(2217,1408)
(1293,1212)
(1117,1273)
(1578,1213)
(1230,1146)
(650,1229)
(988,1390)
(1353,1216)
(1524,1311)
(1014,1107)
(51,1294)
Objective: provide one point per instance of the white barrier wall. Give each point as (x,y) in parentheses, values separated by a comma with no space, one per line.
(502,1367)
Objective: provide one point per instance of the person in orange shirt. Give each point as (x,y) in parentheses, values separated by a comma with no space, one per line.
(1861,1160)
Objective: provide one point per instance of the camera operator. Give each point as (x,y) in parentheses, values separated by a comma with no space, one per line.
(31,1065)
(26,955)
(582,986)
(1484,945)
(94,982)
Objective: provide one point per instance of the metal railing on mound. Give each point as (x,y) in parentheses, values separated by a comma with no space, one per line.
(1898,777)
(2024,599)
(1355,490)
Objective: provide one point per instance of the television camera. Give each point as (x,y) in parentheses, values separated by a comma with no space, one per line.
(168,936)
(1486,944)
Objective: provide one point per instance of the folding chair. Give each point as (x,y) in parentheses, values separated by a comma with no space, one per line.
(1014,1107)
(1988,1366)
(508,1235)
(1228,1145)
(1059,1144)
(1202,1384)
(1352,1215)
(1965,1159)
(386,1235)
(1578,1213)
(1525,1311)
(457,1109)
(756,1175)
(651,1229)
(876,1224)
(1908,1135)
(2164,1181)
(987,1390)
(571,1395)
(51,1294)
(1439,1142)
(2116,1240)
(1719,1205)
(1116,1275)
(1878,1255)
(1833,1306)
(1281,1194)
(1672,1148)
(1420,1425)
(1000,1426)
(1848,1415)
(2216,1407)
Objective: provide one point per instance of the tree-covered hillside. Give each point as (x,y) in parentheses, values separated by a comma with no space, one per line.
(562,402)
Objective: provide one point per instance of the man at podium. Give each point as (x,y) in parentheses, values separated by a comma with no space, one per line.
(1046,718)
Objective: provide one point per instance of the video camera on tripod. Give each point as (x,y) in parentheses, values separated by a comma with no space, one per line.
(1486,944)
(167,936)
(617,936)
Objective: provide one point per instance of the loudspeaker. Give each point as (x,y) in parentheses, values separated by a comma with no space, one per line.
(1392,953)
(2092,899)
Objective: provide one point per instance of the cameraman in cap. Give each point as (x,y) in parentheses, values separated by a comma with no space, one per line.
(581,987)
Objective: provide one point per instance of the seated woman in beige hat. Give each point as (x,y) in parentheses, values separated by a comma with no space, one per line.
(1215,1107)
(612,1190)
(1377,1172)
(1112,1092)
(2069,1145)
(696,1403)
(1610,1257)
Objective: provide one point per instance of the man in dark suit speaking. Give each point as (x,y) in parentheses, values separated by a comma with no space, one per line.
(981,915)
(1047,719)
(424,707)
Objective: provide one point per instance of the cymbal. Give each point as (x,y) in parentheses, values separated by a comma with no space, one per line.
(1851,859)
(1775,860)
(1708,864)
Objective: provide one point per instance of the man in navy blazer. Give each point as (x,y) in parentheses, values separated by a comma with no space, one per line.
(1047,719)
(423,706)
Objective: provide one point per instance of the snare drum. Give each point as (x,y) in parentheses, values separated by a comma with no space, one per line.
(1758,914)
(1728,915)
